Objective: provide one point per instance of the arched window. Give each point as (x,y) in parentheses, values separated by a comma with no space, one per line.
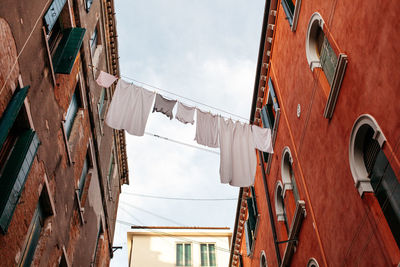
(312,263)
(319,51)
(280,206)
(372,171)
(289,182)
(263,259)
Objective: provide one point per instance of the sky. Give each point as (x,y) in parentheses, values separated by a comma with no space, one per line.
(204,50)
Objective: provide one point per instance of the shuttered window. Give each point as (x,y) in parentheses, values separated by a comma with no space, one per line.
(88,4)
(71,112)
(288,7)
(328,60)
(52,14)
(93,41)
(387,191)
(207,255)
(184,254)
(19,145)
(84,173)
(269,112)
(67,50)
(249,237)
(101,103)
(33,237)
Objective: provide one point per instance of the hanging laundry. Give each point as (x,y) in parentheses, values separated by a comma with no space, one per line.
(164,106)
(184,113)
(105,79)
(225,143)
(244,160)
(262,138)
(130,108)
(207,129)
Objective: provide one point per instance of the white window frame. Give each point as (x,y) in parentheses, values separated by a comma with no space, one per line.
(208,254)
(357,167)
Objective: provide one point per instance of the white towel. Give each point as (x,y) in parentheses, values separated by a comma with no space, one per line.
(262,138)
(105,79)
(207,129)
(225,144)
(184,113)
(130,108)
(244,160)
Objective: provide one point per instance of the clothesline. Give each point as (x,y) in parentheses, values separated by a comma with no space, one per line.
(169,92)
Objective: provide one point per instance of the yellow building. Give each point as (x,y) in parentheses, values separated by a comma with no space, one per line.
(150,246)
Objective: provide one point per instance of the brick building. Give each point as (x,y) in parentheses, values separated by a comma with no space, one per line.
(327,84)
(61,167)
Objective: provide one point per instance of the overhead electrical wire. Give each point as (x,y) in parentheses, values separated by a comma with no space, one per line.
(187,240)
(179,198)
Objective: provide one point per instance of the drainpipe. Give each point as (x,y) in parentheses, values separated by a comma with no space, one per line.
(271,217)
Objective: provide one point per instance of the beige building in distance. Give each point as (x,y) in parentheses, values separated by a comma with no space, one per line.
(150,246)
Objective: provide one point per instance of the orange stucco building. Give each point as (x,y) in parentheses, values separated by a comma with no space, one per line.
(328,86)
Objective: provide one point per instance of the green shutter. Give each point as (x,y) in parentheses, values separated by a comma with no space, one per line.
(273,95)
(83,176)
(179,254)
(253,194)
(53,13)
(34,235)
(328,60)
(203,255)
(14,175)
(67,50)
(249,239)
(288,7)
(11,113)
(211,251)
(252,217)
(188,255)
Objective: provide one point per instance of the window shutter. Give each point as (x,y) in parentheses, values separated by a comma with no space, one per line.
(252,217)
(328,60)
(14,175)
(68,49)
(53,13)
(273,94)
(253,194)
(288,7)
(83,176)
(188,255)
(179,254)
(249,238)
(11,113)
(203,255)
(211,251)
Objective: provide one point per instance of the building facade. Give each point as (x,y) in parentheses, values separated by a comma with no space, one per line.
(178,246)
(327,86)
(61,167)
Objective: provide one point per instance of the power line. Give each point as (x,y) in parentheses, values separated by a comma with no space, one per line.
(179,198)
(169,92)
(181,143)
(151,213)
(171,235)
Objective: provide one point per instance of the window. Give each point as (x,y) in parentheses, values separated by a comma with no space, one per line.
(93,41)
(312,263)
(99,239)
(88,4)
(110,174)
(372,171)
(102,105)
(183,254)
(82,179)
(73,107)
(288,179)
(252,220)
(62,39)
(320,54)
(207,253)
(270,114)
(18,144)
(263,259)
(292,12)
(280,208)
